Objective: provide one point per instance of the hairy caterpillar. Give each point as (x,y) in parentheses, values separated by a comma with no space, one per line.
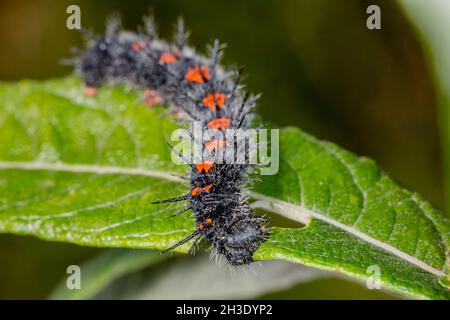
(203,92)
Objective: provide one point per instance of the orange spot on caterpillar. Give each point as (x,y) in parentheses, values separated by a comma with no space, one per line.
(208,221)
(209,102)
(208,188)
(197,74)
(168,57)
(215,144)
(90,91)
(214,100)
(205,73)
(204,166)
(220,99)
(152,98)
(137,46)
(201,226)
(195,191)
(219,123)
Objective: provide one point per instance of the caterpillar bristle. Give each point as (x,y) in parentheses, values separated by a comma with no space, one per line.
(150,28)
(181,211)
(176,245)
(176,199)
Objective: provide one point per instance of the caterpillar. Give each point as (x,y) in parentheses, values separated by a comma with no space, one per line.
(202,91)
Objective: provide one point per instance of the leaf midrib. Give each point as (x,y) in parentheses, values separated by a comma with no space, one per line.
(283,208)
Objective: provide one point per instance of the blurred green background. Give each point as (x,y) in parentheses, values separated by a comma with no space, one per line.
(315,62)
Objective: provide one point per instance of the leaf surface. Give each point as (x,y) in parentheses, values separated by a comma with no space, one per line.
(84,170)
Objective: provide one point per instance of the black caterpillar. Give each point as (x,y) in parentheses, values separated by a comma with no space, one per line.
(203,91)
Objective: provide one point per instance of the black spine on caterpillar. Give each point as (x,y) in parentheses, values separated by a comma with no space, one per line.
(204,92)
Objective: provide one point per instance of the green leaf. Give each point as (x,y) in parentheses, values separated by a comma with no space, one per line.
(84,170)
(104,269)
(185,280)
(125,274)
